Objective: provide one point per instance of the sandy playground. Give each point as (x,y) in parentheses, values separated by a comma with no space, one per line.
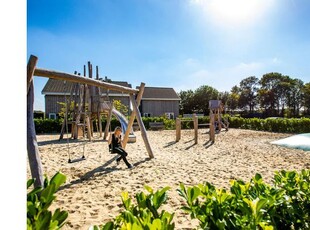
(91,194)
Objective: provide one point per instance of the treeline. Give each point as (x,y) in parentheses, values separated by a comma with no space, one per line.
(273,95)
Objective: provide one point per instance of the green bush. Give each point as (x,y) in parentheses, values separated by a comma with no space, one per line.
(48,125)
(144,215)
(38,202)
(253,205)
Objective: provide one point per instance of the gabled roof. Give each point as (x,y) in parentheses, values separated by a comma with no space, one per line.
(57,87)
(159,93)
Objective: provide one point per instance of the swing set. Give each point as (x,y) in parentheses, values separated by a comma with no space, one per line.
(97,104)
(135,96)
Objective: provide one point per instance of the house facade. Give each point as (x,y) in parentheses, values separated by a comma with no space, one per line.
(159,101)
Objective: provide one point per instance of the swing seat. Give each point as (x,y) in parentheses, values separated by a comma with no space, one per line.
(77,160)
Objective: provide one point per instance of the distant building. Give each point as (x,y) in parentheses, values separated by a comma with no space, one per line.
(156,101)
(56,91)
(159,101)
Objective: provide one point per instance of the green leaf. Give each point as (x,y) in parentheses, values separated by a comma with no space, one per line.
(148,188)
(107,226)
(47,194)
(58,179)
(30,182)
(60,216)
(43,221)
(193,192)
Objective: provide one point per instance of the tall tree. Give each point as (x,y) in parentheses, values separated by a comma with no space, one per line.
(187,101)
(202,97)
(295,96)
(306,98)
(233,100)
(269,94)
(248,93)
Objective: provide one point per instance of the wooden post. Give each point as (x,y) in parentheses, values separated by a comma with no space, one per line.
(109,118)
(90,98)
(141,125)
(133,114)
(88,125)
(219,119)
(195,128)
(32,145)
(212,128)
(178,129)
(98,93)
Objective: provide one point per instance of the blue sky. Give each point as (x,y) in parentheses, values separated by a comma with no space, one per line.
(173,43)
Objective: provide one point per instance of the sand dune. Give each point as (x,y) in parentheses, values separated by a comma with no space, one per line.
(91,194)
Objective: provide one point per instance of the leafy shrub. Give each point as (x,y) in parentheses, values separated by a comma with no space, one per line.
(39,200)
(253,205)
(144,215)
(48,125)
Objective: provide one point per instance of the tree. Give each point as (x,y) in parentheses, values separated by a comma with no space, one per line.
(186,103)
(269,94)
(117,104)
(233,100)
(248,93)
(306,98)
(224,97)
(294,96)
(202,97)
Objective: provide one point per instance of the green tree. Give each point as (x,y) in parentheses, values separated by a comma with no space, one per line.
(269,93)
(233,100)
(117,104)
(295,96)
(248,93)
(202,97)
(306,98)
(186,103)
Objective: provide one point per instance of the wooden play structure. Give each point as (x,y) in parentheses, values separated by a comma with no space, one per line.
(178,125)
(90,104)
(216,108)
(135,96)
(216,122)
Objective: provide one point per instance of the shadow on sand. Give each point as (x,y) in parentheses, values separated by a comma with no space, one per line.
(99,171)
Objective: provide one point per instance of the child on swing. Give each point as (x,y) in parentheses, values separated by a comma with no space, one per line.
(115,145)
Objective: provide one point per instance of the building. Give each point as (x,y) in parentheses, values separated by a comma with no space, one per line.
(55,92)
(156,101)
(159,101)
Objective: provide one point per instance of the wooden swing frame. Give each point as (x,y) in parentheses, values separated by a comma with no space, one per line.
(32,146)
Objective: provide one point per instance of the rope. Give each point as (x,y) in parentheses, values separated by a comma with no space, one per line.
(66,121)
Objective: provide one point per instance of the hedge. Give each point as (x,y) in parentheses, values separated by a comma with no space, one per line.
(283,125)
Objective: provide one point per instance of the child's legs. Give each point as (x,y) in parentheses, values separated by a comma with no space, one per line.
(122,154)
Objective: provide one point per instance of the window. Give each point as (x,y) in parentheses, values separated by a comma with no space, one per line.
(169,115)
(146,114)
(52,116)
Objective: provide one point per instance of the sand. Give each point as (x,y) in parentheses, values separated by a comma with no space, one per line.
(91,194)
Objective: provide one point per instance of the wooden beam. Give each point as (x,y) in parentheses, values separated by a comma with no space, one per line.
(32,144)
(109,118)
(75,78)
(30,70)
(141,125)
(178,129)
(195,117)
(133,114)
(212,127)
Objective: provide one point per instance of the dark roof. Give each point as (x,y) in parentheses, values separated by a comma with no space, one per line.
(54,86)
(153,93)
